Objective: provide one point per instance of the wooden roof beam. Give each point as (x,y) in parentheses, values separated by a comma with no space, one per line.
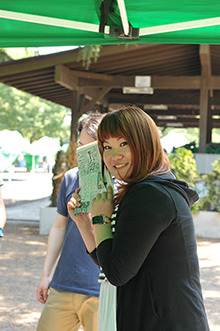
(43,61)
(90,75)
(99,95)
(173,97)
(66,78)
(157,82)
(156,98)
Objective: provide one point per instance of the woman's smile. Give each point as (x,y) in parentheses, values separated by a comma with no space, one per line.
(117,157)
(120,165)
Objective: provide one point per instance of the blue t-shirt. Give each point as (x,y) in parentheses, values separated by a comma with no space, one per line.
(75,271)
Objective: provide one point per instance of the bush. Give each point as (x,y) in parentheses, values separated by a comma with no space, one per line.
(212,187)
(183,165)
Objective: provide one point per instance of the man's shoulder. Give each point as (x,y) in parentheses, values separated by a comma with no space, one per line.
(70,181)
(72,173)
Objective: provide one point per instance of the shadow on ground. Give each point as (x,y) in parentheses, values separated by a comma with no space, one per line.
(22,255)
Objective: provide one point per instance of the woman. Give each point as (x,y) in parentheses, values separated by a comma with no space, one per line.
(151,257)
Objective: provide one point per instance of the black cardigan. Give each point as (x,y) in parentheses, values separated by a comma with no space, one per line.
(153,261)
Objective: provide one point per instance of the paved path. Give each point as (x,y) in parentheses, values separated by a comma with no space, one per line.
(22,254)
(23,251)
(25,187)
(29,211)
(25,194)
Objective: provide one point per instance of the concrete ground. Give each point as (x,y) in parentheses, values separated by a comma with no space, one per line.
(23,251)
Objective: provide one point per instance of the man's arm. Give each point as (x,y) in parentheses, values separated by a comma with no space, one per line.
(54,246)
(2,211)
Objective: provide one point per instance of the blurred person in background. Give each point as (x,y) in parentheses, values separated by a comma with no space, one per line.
(2,211)
(74,289)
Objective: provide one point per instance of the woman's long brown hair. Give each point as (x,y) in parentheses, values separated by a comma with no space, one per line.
(143,138)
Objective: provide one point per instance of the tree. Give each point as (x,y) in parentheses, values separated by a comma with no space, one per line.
(19,53)
(4,57)
(31,116)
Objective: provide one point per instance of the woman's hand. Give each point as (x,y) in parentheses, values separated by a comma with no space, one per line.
(103,203)
(74,202)
(82,221)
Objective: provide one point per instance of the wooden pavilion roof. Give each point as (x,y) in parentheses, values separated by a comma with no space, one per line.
(178,75)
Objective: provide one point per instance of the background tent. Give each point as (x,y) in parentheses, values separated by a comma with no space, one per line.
(45,146)
(173,139)
(58,23)
(42,153)
(12,143)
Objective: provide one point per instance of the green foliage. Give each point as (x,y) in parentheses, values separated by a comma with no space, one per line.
(212,186)
(4,57)
(213,148)
(183,165)
(89,53)
(20,52)
(31,116)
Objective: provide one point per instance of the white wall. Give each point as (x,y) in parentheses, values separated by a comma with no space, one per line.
(204,161)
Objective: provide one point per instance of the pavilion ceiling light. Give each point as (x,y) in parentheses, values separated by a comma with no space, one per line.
(166,117)
(155,107)
(176,125)
(142,86)
(138,90)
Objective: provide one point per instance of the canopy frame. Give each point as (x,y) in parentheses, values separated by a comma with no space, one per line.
(124,32)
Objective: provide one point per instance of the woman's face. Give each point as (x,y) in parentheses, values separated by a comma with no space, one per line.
(117,157)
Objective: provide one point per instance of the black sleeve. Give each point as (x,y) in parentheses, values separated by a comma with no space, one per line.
(93,256)
(143,214)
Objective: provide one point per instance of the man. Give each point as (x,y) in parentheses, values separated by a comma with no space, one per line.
(2,212)
(74,289)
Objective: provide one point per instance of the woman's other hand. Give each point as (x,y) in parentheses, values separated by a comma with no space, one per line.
(103,203)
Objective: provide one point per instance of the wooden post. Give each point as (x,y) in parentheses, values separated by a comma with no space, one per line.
(203,114)
(204,135)
(209,124)
(77,106)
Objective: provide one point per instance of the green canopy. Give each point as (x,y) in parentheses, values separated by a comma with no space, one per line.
(30,23)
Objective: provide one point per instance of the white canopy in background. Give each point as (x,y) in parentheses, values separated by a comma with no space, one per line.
(45,146)
(173,139)
(12,142)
